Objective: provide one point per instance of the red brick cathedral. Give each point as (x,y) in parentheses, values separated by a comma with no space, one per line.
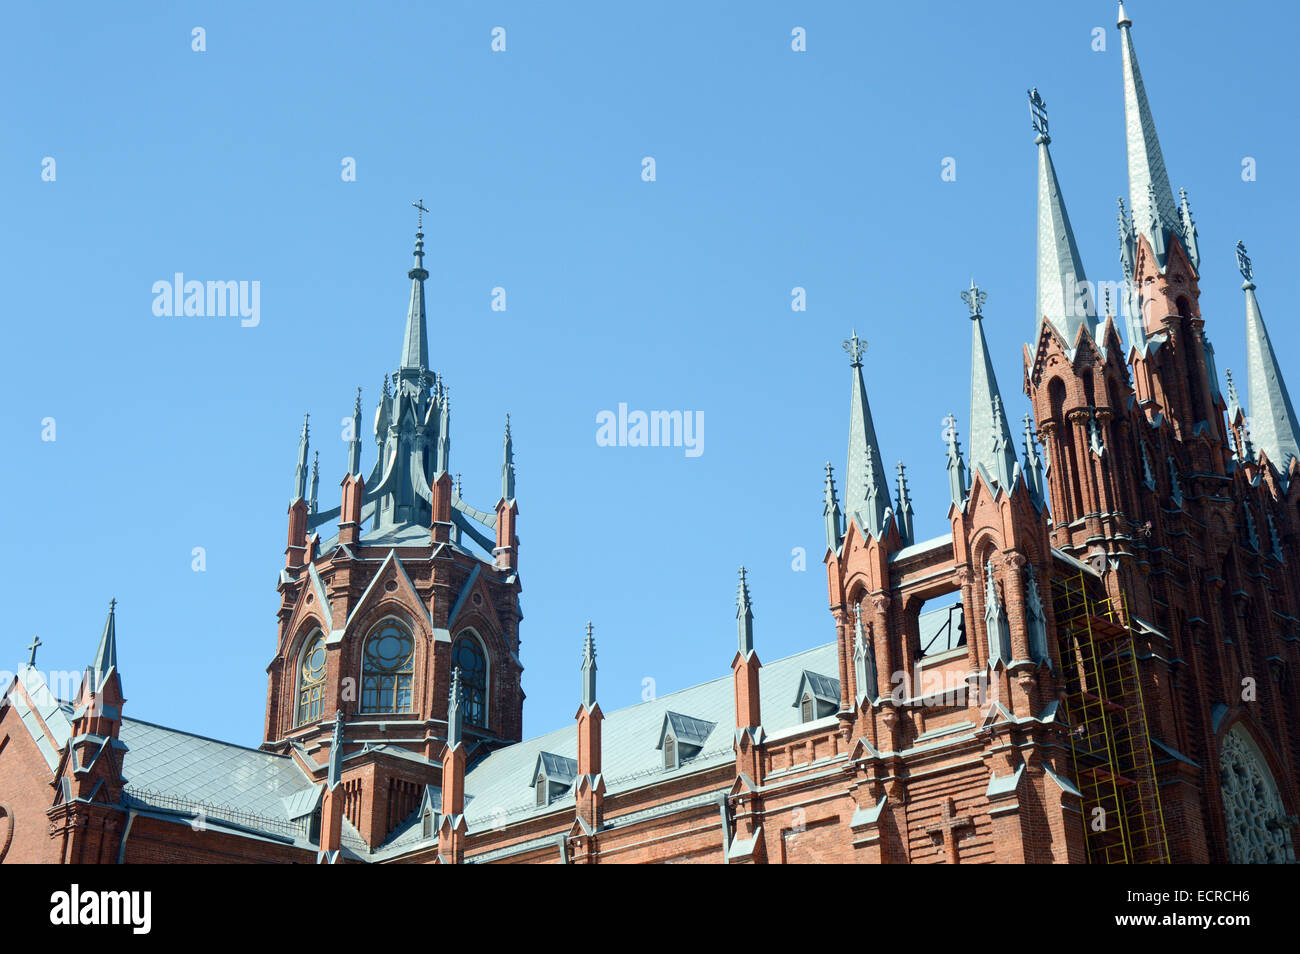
(1110,675)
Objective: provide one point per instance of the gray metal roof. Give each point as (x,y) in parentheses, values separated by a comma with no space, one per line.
(498,787)
(941,629)
(824,688)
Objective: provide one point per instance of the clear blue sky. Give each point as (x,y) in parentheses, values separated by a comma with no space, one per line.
(775,169)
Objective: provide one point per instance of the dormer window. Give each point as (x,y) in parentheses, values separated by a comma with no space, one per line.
(681,737)
(553,775)
(818,696)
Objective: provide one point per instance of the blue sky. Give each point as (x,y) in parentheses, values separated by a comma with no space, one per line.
(775,169)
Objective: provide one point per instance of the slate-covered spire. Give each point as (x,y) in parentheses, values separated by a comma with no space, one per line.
(508,466)
(105,660)
(744,618)
(1273,425)
(354,445)
(1150,197)
(300,472)
(866,489)
(904,512)
(831,512)
(589,669)
(1063,298)
(992,448)
(455,713)
(415,343)
(957,487)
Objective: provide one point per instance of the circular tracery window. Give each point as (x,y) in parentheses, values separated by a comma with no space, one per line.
(6,830)
(1259,831)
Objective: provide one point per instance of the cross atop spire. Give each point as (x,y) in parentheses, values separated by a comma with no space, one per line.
(36,644)
(419,221)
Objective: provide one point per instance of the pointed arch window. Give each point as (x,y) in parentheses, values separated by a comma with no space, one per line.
(311,680)
(467,654)
(387,669)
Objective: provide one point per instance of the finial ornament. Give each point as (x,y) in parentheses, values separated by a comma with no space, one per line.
(975,297)
(1243,263)
(855,347)
(419,205)
(1038,115)
(36,644)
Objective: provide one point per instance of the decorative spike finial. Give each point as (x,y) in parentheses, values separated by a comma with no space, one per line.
(300,472)
(744,617)
(975,297)
(335,772)
(957,488)
(1123,19)
(831,511)
(1244,265)
(1038,116)
(508,465)
(904,512)
(855,347)
(105,660)
(455,717)
(589,668)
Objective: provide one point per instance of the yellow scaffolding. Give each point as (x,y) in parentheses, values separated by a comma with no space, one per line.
(1109,740)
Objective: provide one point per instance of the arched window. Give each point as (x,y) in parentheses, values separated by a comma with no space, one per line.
(311,680)
(387,665)
(467,654)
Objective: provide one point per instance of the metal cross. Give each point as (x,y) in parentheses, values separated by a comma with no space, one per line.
(975,297)
(1038,112)
(1243,262)
(949,827)
(36,644)
(419,204)
(855,346)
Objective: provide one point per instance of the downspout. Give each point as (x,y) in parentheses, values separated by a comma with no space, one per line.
(126,832)
(724,810)
(563,842)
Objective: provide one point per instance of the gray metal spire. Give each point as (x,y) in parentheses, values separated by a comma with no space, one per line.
(300,472)
(1150,197)
(992,448)
(1034,477)
(312,504)
(589,670)
(105,660)
(831,512)
(508,466)
(744,617)
(1273,425)
(354,445)
(866,490)
(334,774)
(1063,296)
(455,716)
(415,343)
(1137,335)
(957,487)
(1191,238)
(904,513)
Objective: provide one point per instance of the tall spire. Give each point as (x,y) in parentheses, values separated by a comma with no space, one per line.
(1034,477)
(312,504)
(1063,297)
(904,513)
(354,445)
(992,449)
(105,661)
(866,490)
(831,512)
(589,669)
(415,343)
(1273,425)
(508,466)
(744,617)
(455,715)
(1150,197)
(300,472)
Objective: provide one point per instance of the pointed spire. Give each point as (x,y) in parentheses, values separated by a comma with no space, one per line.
(354,445)
(957,487)
(864,660)
(1137,335)
(315,483)
(415,343)
(744,617)
(1149,193)
(1191,239)
(904,512)
(334,774)
(1273,426)
(1034,477)
(442,458)
(300,472)
(831,512)
(105,660)
(1037,617)
(866,492)
(992,448)
(1063,298)
(508,466)
(455,716)
(995,619)
(589,669)
(383,417)
(1234,402)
